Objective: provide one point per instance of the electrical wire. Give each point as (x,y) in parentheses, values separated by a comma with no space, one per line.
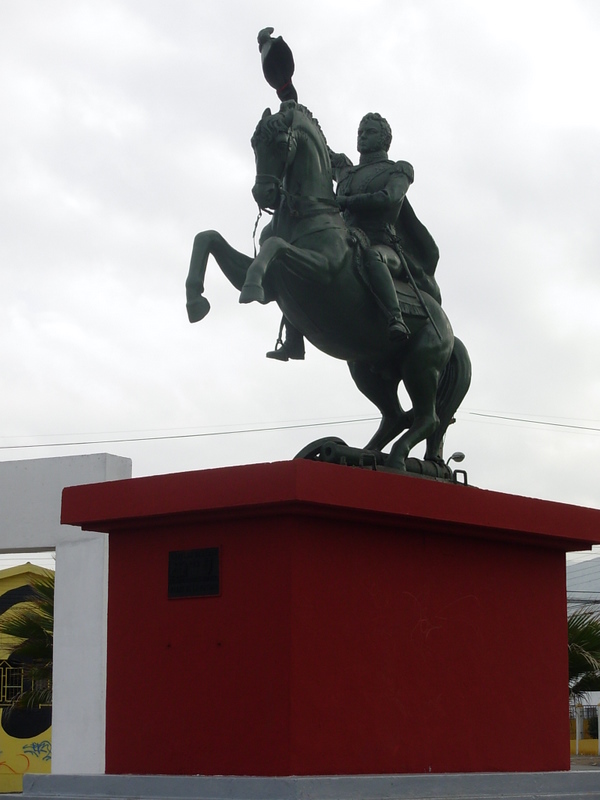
(535,421)
(284,427)
(189,435)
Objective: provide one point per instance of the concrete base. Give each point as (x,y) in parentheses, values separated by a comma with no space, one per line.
(471,786)
(352,617)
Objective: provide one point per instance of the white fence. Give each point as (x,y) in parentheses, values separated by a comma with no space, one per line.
(584,730)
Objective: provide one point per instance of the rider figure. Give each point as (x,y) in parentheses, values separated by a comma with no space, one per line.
(371,197)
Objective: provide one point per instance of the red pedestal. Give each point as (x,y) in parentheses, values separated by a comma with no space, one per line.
(365,623)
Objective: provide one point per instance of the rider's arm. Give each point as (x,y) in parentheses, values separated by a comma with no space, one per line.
(339,163)
(391,195)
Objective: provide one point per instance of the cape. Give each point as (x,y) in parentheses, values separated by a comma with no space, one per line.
(415,240)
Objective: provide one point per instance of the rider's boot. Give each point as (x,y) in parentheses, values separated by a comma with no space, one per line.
(384,290)
(397,329)
(292,347)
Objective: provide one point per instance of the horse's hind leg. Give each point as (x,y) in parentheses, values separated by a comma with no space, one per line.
(382,392)
(454,384)
(421,385)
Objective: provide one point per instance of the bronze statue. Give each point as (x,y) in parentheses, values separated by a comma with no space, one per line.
(372,197)
(334,277)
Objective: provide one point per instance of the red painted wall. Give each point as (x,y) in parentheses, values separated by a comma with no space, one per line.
(367,623)
(342,642)
(199,686)
(425,658)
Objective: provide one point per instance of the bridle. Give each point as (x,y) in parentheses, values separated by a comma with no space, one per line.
(265,177)
(292,201)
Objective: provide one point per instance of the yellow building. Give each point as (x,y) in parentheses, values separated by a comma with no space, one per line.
(25,734)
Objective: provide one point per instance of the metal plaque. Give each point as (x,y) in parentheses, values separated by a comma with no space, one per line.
(194,573)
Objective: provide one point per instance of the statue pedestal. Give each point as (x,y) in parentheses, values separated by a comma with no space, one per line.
(345,622)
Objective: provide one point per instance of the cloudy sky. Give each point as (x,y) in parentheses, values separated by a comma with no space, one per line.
(126,128)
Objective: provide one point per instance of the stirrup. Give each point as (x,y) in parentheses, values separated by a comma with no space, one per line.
(397,329)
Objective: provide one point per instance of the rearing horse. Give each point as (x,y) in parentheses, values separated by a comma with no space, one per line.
(309,262)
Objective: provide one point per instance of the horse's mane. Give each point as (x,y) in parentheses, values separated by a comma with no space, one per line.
(308,114)
(268,127)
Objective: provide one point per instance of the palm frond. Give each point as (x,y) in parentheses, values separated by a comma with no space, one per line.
(31,625)
(584,652)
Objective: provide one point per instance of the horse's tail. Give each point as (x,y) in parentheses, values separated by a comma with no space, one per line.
(453,386)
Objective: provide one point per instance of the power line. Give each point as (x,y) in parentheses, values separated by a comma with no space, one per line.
(188,435)
(534,421)
(268,428)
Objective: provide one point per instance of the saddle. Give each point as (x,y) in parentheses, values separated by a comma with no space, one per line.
(407,300)
(407,297)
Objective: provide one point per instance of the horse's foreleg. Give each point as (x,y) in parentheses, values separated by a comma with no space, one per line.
(232,263)
(305,263)
(197,305)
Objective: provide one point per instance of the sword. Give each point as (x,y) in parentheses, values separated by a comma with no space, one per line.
(420,296)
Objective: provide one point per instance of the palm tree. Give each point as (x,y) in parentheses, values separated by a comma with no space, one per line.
(584,652)
(31,624)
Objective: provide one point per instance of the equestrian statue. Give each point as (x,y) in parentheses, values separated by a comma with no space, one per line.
(352,271)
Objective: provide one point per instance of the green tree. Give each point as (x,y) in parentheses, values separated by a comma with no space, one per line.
(584,652)
(32,625)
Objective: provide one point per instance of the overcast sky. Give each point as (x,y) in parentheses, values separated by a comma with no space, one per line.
(125,131)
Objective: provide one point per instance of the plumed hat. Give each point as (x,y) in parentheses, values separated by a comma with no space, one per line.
(277,64)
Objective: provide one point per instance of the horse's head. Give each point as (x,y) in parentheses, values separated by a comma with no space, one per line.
(274,143)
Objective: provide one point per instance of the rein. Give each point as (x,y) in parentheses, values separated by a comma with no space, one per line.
(290,198)
(315,212)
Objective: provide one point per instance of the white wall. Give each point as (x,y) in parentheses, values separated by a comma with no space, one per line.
(30,501)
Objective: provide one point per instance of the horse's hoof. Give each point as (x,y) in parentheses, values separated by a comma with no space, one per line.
(398,464)
(198,309)
(252,293)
